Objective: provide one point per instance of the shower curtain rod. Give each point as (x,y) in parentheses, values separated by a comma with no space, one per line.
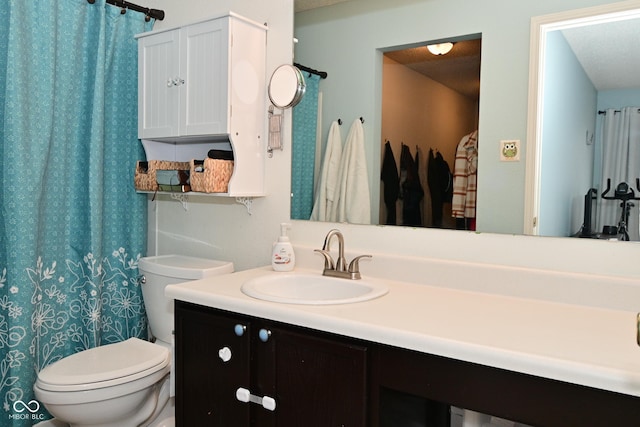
(151,13)
(322,74)
(615,111)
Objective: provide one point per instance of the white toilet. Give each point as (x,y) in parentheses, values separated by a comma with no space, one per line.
(126,384)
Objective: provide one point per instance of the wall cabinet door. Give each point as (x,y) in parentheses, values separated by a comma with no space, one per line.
(159,85)
(204,66)
(316,380)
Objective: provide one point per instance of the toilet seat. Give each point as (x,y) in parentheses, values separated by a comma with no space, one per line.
(105,366)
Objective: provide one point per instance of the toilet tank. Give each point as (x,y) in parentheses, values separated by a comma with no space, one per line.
(159,271)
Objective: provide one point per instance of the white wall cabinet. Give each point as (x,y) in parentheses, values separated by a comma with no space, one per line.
(201,86)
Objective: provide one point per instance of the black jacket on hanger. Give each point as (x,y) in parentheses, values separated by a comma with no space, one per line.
(440,181)
(412,192)
(391,181)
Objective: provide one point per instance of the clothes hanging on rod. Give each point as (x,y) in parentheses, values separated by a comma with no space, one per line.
(440,182)
(465,179)
(150,13)
(391,180)
(322,74)
(411,189)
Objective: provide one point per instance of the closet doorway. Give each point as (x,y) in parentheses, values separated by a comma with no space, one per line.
(430,103)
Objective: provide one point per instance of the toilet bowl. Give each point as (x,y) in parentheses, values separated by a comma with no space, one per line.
(126,384)
(105,386)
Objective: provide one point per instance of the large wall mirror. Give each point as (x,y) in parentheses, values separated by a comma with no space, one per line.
(585,106)
(353,43)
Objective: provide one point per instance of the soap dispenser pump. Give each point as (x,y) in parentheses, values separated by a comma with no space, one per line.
(283,258)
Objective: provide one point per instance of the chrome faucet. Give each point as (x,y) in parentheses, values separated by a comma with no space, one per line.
(339,268)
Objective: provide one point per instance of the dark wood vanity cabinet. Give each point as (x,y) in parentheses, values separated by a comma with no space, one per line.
(527,399)
(315,380)
(318,379)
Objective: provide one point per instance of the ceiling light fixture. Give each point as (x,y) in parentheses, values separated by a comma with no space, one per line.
(440,48)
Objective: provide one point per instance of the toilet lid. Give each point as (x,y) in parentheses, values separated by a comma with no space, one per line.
(110,365)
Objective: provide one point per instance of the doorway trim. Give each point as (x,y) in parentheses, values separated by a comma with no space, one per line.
(540,27)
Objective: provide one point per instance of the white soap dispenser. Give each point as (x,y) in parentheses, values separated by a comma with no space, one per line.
(283,258)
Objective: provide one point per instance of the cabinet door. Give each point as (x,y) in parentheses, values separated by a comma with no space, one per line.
(205,383)
(159,85)
(204,62)
(317,381)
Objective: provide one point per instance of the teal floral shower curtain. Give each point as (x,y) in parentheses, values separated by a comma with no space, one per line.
(72,227)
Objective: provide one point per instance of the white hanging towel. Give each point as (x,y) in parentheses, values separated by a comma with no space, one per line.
(352,203)
(326,188)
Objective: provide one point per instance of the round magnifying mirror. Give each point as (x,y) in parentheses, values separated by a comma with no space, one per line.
(286,87)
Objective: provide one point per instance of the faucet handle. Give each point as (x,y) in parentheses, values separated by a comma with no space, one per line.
(354,265)
(328,261)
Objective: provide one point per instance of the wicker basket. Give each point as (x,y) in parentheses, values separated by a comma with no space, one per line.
(146,180)
(210,176)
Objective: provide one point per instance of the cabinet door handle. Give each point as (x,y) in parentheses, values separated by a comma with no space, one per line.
(264,335)
(244,395)
(269,403)
(239,329)
(225,354)
(177,81)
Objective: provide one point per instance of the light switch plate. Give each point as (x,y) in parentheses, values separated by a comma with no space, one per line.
(510,150)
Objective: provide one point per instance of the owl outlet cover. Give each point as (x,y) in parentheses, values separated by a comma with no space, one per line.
(510,150)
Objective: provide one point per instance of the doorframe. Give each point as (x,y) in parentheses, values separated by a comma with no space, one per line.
(540,27)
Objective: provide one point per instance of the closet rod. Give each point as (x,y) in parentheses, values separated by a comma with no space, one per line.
(322,74)
(151,13)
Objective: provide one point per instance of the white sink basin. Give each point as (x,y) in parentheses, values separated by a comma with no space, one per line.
(312,289)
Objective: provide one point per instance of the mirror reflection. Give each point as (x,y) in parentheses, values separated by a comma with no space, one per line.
(510,201)
(429,122)
(590,131)
(429,129)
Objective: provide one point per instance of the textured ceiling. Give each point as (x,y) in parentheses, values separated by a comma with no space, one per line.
(609,53)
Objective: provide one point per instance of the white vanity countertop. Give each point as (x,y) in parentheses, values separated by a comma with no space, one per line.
(580,344)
